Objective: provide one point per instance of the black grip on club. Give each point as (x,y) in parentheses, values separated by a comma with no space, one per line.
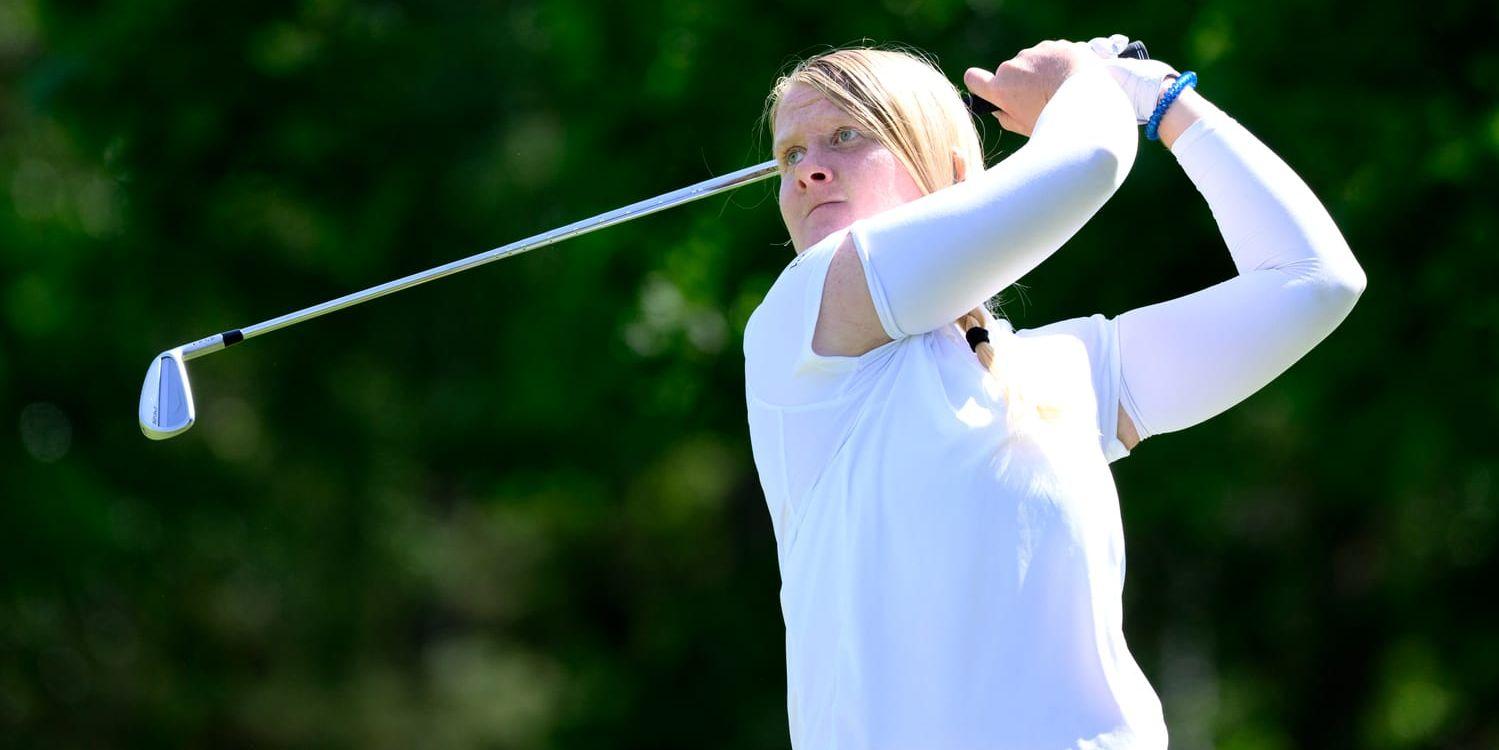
(980,107)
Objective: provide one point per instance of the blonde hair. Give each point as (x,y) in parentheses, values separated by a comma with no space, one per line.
(901,98)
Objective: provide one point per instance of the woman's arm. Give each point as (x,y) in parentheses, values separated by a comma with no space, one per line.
(1188,359)
(929,261)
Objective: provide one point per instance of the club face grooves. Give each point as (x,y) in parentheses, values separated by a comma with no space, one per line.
(166,406)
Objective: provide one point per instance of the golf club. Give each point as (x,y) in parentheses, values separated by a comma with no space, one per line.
(166,405)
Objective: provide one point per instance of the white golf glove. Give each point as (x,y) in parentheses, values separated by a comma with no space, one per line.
(1143,81)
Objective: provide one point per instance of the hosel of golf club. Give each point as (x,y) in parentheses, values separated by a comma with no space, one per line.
(207,345)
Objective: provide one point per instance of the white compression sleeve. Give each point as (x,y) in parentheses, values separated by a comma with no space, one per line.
(1188,359)
(933,259)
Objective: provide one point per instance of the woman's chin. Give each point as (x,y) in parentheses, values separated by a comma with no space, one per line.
(823,223)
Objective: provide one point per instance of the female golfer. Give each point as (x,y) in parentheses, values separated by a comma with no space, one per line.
(951,554)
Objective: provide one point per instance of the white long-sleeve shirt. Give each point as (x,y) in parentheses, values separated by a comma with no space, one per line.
(948,583)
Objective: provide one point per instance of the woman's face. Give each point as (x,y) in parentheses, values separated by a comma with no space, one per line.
(832,174)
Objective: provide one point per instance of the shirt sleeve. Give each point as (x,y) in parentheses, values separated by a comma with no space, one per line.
(780,366)
(1187,359)
(1099,337)
(932,259)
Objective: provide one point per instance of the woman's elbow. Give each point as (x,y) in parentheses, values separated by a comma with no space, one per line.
(1353,282)
(1347,276)
(1341,286)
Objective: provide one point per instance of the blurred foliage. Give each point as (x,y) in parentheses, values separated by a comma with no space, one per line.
(517,508)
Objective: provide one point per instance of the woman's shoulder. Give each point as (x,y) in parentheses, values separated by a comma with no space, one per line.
(1084,342)
(782,310)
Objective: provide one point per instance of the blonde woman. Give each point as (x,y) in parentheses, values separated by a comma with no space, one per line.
(946,523)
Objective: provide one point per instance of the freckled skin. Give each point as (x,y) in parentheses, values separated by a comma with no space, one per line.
(861,176)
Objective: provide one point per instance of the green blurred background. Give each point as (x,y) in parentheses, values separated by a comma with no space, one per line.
(516,508)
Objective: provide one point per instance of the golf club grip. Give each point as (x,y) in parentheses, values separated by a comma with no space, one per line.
(980,107)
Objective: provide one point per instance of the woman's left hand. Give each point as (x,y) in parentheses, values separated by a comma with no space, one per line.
(1143,81)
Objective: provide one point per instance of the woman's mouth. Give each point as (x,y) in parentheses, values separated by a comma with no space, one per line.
(820,205)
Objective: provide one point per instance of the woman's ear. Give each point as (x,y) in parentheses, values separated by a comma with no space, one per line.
(959,167)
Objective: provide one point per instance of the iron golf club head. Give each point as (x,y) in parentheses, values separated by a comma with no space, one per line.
(166,397)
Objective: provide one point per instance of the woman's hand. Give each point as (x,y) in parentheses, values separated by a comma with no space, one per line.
(1022,85)
(1143,81)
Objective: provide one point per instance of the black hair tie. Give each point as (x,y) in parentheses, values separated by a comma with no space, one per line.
(977,334)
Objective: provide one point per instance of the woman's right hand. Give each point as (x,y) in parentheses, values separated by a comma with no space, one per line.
(1022,85)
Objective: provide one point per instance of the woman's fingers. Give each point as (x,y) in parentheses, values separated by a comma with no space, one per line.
(981,83)
(1011,124)
(984,83)
(1021,86)
(976,77)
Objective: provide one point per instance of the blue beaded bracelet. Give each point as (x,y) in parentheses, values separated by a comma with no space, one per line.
(1182,82)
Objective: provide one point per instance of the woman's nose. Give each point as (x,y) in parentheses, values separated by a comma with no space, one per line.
(809,172)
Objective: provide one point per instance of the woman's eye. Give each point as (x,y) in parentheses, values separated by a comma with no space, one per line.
(844,135)
(793,156)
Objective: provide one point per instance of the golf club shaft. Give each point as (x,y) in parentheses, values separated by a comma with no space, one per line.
(633,211)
